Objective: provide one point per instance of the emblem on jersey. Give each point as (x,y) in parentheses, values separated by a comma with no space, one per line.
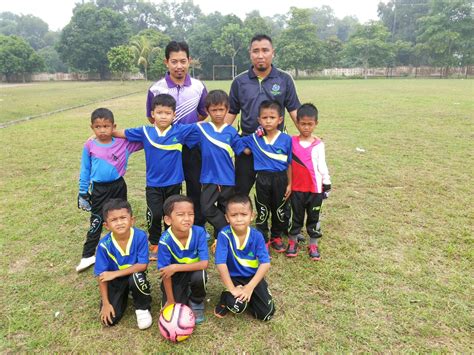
(251,254)
(276,90)
(175,139)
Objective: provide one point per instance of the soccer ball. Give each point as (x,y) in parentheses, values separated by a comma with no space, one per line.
(177,322)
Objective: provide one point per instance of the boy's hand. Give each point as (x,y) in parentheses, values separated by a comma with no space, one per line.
(247,151)
(260,131)
(326,190)
(287,192)
(107,313)
(237,291)
(168,271)
(84,202)
(246,293)
(107,276)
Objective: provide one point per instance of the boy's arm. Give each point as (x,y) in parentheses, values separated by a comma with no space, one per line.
(247,290)
(107,311)
(227,281)
(85,173)
(110,275)
(288,187)
(168,286)
(171,269)
(119,133)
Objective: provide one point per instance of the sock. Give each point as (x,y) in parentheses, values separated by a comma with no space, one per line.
(313,241)
(293,238)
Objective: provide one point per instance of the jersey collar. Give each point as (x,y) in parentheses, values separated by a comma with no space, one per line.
(129,244)
(178,243)
(273,73)
(237,241)
(164,132)
(172,84)
(216,129)
(273,140)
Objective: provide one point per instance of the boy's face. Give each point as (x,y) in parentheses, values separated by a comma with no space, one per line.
(103,129)
(217,113)
(239,216)
(163,116)
(269,119)
(182,217)
(306,126)
(178,65)
(119,221)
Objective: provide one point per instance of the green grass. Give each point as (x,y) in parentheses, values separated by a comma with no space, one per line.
(396,273)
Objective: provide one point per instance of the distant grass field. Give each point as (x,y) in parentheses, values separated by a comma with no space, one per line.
(397,254)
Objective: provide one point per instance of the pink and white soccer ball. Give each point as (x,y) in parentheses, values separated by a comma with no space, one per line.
(177,322)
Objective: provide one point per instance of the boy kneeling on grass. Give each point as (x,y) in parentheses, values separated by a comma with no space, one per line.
(121,264)
(242,261)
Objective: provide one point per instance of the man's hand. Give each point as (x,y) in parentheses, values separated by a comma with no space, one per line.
(326,190)
(168,271)
(107,313)
(107,276)
(84,202)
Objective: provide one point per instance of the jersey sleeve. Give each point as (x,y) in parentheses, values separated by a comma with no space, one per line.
(134,146)
(291,97)
(203,252)
(189,134)
(101,261)
(149,100)
(234,103)
(164,255)
(142,248)
(290,150)
(236,143)
(261,251)
(201,109)
(85,173)
(322,166)
(135,134)
(222,248)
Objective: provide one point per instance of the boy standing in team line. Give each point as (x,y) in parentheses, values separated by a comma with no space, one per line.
(103,165)
(218,142)
(163,144)
(242,261)
(122,261)
(272,158)
(183,257)
(311,181)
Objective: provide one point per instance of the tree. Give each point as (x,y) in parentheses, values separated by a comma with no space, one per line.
(52,61)
(233,38)
(368,46)
(447,32)
(325,21)
(31,28)
(298,46)
(18,57)
(346,27)
(144,53)
(121,60)
(332,50)
(257,24)
(88,37)
(157,68)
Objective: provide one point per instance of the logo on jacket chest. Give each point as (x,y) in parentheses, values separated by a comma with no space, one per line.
(276,90)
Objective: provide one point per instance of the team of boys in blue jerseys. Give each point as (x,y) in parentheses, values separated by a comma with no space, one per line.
(241,252)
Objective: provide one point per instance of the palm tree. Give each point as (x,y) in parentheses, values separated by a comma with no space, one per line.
(144,53)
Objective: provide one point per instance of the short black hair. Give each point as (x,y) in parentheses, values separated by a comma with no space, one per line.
(239,198)
(115,204)
(307,110)
(217,97)
(168,206)
(174,46)
(273,104)
(165,100)
(261,37)
(103,113)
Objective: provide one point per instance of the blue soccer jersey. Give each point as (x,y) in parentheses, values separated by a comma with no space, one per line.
(217,149)
(110,257)
(269,156)
(242,260)
(171,251)
(163,152)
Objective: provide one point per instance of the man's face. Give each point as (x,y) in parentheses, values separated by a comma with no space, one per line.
(178,65)
(261,54)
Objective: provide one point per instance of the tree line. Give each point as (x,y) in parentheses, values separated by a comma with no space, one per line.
(105,36)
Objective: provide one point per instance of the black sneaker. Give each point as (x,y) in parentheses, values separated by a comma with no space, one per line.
(314,253)
(277,244)
(220,311)
(291,249)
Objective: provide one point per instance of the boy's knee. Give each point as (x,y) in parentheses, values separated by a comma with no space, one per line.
(199,278)
(139,282)
(266,314)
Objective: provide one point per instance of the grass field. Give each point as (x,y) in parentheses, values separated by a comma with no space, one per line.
(397,267)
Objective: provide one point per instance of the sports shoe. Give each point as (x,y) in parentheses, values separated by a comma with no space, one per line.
(153,252)
(85,263)
(220,311)
(314,253)
(291,249)
(144,319)
(198,310)
(277,244)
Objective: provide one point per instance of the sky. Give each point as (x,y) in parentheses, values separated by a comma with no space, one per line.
(57,13)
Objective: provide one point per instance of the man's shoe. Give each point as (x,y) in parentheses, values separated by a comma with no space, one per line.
(85,263)
(198,310)
(153,252)
(220,311)
(291,249)
(314,253)
(277,244)
(144,319)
